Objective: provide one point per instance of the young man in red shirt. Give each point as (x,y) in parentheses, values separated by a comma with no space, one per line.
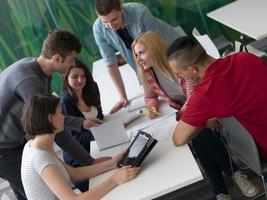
(231,86)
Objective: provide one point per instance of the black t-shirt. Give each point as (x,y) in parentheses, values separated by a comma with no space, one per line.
(125,36)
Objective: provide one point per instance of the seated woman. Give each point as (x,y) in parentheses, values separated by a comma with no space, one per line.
(158,81)
(44,175)
(81,98)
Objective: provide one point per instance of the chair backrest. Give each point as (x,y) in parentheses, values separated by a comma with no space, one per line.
(206,43)
(241,144)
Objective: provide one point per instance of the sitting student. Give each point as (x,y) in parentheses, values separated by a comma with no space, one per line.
(81,98)
(159,81)
(43,174)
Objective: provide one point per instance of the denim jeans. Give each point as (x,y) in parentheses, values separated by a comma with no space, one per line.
(10,164)
(214,158)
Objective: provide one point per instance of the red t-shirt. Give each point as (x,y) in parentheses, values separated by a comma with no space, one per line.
(233,86)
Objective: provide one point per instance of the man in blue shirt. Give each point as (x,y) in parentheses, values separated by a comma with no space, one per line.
(114,30)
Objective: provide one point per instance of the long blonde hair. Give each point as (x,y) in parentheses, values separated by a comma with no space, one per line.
(157,48)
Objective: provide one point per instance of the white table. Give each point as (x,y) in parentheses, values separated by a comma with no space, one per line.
(108,92)
(245,16)
(166,169)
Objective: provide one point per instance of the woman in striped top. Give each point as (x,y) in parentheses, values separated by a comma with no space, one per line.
(44,175)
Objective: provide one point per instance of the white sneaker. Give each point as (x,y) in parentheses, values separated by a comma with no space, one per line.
(223,197)
(245,185)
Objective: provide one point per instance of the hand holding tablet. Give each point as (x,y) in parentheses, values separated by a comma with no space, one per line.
(138,150)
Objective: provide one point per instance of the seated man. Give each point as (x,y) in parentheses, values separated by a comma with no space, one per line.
(231,86)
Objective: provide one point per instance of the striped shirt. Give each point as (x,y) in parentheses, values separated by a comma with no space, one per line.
(34,160)
(175,93)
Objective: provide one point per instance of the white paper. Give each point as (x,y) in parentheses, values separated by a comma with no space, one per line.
(109,134)
(137,104)
(160,128)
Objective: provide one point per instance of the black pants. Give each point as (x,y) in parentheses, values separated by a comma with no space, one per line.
(10,164)
(213,158)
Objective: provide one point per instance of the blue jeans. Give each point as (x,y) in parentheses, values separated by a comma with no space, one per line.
(214,158)
(10,164)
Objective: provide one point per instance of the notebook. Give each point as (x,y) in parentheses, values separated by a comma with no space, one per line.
(137,104)
(109,134)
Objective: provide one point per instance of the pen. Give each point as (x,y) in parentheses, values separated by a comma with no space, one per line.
(151,110)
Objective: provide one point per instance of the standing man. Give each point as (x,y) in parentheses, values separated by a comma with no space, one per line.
(23,79)
(231,86)
(115,29)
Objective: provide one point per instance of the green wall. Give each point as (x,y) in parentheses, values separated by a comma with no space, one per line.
(25,23)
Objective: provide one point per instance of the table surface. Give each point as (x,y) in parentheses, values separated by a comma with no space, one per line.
(245,16)
(166,169)
(108,92)
(175,165)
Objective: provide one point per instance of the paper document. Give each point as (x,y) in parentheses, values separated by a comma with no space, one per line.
(131,117)
(109,134)
(126,118)
(137,104)
(160,128)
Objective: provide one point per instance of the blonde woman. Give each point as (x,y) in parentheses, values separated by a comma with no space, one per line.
(150,55)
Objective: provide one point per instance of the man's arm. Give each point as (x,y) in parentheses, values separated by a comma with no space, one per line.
(65,141)
(109,56)
(183,133)
(115,75)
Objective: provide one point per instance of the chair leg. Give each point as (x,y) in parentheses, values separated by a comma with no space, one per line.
(264,185)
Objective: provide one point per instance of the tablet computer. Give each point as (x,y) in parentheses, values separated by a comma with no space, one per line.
(138,150)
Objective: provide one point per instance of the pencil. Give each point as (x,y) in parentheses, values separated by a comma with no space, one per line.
(151,110)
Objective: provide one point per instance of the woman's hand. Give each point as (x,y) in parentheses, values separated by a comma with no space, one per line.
(125,174)
(151,112)
(88,123)
(117,158)
(101,159)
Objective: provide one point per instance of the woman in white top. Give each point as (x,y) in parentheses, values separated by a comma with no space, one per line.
(81,98)
(44,175)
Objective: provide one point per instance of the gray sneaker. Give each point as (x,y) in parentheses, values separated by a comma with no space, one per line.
(245,185)
(223,197)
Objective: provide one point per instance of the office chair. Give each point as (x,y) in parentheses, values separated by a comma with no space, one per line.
(243,147)
(213,47)
(206,43)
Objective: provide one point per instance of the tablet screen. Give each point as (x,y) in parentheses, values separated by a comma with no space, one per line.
(138,150)
(137,146)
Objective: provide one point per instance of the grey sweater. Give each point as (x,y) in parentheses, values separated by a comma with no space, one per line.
(18,82)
